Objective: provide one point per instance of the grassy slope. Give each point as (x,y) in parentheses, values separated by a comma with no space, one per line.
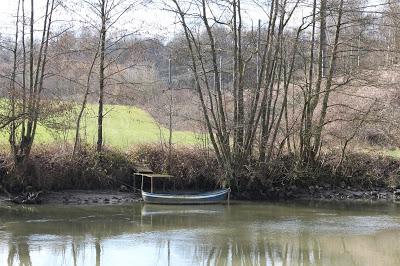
(392,153)
(123,127)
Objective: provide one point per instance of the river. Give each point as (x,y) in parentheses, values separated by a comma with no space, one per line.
(242,233)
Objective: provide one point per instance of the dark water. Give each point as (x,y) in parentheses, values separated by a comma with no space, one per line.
(239,234)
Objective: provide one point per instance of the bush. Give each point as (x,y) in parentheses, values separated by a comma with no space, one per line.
(51,168)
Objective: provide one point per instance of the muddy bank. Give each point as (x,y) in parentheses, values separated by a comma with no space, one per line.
(109,197)
(319,192)
(85,197)
(322,192)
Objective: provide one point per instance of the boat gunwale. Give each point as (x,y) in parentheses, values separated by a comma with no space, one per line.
(202,195)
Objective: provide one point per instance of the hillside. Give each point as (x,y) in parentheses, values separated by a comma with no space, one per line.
(123,126)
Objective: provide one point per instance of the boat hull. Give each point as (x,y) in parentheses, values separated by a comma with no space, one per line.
(213,197)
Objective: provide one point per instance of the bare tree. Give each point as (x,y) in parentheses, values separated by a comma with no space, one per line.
(25,118)
(84,103)
(105,16)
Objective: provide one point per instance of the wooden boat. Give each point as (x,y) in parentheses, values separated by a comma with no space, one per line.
(211,197)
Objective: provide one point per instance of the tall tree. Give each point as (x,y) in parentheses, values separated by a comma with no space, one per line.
(23,129)
(103,32)
(106,18)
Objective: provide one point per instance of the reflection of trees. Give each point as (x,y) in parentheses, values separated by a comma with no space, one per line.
(98,251)
(12,253)
(19,250)
(77,249)
(297,248)
(302,249)
(74,252)
(212,235)
(23,252)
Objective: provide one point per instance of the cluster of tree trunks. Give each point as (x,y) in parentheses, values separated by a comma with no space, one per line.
(25,95)
(260,114)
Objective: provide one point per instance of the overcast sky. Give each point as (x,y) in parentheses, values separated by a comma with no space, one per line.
(151,20)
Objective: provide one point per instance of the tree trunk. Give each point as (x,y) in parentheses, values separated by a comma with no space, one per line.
(324,109)
(101,79)
(84,101)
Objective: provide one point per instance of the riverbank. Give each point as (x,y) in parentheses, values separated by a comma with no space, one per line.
(86,197)
(325,192)
(318,193)
(89,177)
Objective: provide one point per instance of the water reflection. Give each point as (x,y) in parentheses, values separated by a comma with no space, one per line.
(239,234)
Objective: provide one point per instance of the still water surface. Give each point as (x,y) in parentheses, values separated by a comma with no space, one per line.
(240,234)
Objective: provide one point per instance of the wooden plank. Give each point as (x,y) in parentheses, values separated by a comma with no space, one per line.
(156,175)
(142,169)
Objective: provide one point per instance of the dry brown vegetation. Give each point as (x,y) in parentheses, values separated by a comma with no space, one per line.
(51,170)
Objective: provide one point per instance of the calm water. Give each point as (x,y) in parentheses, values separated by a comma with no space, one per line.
(239,234)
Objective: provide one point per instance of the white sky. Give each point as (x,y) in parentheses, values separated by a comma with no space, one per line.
(150,21)
(153,20)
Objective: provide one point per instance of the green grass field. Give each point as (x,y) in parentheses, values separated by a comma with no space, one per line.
(394,153)
(123,126)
